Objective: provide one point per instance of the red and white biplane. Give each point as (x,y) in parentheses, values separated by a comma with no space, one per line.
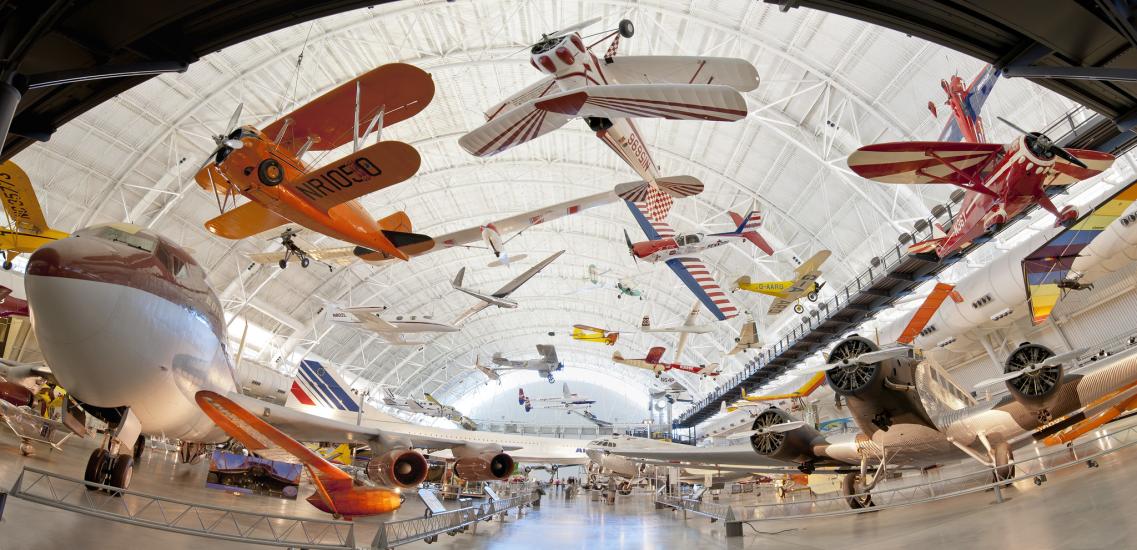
(607,92)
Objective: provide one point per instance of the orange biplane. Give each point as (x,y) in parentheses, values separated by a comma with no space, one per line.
(267,167)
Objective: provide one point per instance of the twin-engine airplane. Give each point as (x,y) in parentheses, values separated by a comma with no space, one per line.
(267,167)
(607,92)
(545,365)
(568,401)
(131,329)
(585,333)
(393,329)
(27,229)
(1001,181)
(654,363)
(804,284)
(500,298)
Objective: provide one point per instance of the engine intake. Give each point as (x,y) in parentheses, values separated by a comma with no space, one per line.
(398,468)
(853,379)
(793,446)
(1032,388)
(486,467)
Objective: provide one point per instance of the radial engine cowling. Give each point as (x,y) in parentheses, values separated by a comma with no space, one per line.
(398,468)
(793,446)
(853,379)
(1037,387)
(485,467)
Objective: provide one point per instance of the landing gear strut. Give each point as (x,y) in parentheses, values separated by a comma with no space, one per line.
(291,249)
(107,465)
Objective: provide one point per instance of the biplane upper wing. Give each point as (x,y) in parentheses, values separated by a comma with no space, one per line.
(399,90)
(923,161)
(668,101)
(1050,264)
(245,221)
(548,352)
(20,202)
(667,69)
(535,90)
(370,169)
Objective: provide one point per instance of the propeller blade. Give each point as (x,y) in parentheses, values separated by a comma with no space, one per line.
(1062,358)
(576,27)
(1009,123)
(235,118)
(878,356)
(631,248)
(1004,377)
(1054,361)
(1065,155)
(774,428)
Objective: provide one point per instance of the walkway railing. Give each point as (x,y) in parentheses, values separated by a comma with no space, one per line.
(1046,460)
(451,522)
(179,516)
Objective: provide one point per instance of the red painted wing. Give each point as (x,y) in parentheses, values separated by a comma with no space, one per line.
(922,161)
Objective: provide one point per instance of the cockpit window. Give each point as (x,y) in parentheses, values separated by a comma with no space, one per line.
(178,268)
(134,240)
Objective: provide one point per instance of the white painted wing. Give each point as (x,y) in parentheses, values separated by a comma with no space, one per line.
(737,456)
(511,128)
(667,101)
(533,91)
(668,69)
(520,222)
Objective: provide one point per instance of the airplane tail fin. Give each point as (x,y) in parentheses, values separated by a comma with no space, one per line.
(722,408)
(741,281)
(710,370)
(617,356)
(399,221)
(747,227)
(318,386)
(924,247)
(333,313)
(457,283)
(565,391)
(520,396)
(655,354)
(646,322)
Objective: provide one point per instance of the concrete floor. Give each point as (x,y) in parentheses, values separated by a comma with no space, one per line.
(1076,509)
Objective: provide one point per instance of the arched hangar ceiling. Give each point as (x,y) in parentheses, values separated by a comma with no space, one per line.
(828,85)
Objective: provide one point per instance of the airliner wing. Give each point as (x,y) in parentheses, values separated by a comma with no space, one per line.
(727,457)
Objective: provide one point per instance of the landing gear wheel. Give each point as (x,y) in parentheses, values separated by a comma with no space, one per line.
(1004,470)
(849,488)
(96,471)
(7,265)
(121,471)
(1066,217)
(304,262)
(625,488)
(139,448)
(551,380)
(270,172)
(283,264)
(799,309)
(812,296)
(26,449)
(627,29)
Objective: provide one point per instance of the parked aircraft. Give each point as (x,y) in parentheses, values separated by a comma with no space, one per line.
(267,167)
(500,298)
(688,328)
(804,284)
(653,363)
(585,333)
(615,456)
(545,365)
(27,229)
(393,329)
(1001,181)
(747,338)
(134,340)
(567,402)
(607,93)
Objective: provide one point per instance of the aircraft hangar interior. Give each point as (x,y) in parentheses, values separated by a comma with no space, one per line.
(579,274)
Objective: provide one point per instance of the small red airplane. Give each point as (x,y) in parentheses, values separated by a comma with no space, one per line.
(1001,180)
(684,245)
(652,362)
(966,104)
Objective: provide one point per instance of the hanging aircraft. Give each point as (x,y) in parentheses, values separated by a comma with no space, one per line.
(673,392)
(804,284)
(667,245)
(432,407)
(545,365)
(10,305)
(811,384)
(393,329)
(27,228)
(607,93)
(966,103)
(688,328)
(567,402)
(653,363)
(626,287)
(130,327)
(747,338)
(500,298)
(1001,181)
(267,167)
(489,372)
(585,333)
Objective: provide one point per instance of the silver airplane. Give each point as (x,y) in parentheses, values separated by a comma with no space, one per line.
(545,365)
(500,298)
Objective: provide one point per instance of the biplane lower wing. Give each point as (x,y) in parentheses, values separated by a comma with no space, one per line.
(697,277)
(1051,263)
(377,166)
(672,69)
(511,128)
(923,161)
(245,221)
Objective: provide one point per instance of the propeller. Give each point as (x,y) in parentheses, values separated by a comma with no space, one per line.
(223,141)
(1042,143)
(773,428)
(631,248)
(869,358)
(1052,361)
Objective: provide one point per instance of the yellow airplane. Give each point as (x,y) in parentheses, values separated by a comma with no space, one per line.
(807,388)
(785,293)
(586,333)
(27,229)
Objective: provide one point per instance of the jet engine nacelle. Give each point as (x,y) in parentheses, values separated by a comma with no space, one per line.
(1033,389)
(795,445)
(481,463)
(398,468)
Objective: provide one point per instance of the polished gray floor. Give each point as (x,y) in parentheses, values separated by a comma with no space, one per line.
(1079,508)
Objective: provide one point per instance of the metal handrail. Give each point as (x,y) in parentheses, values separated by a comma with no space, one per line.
(397,533)
(180,516)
